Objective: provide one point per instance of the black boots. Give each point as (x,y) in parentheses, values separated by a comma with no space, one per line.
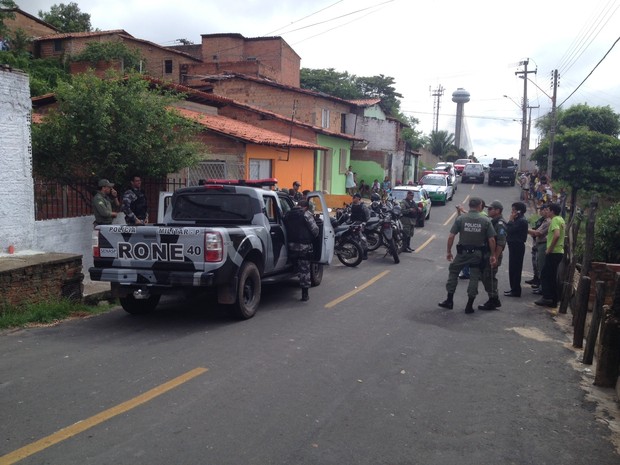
(470,305)
(304,294)
(407,245)
(491,304)
(448,303)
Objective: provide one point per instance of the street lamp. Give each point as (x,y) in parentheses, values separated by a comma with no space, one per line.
(511,99)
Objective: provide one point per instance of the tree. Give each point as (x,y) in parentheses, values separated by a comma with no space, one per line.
(413,138)
(381,87)
(67,18)
(440,143)
(5,13)
(110,128)
(586,154)
(108,51)
(331,82)
(350,87)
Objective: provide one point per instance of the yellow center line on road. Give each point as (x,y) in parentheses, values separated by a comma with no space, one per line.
(449,220)
(83,425)
(335,302)
(426,242)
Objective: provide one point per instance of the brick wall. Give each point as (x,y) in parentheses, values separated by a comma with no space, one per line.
(36,278)
(281,100)
(154,56)
(274,54)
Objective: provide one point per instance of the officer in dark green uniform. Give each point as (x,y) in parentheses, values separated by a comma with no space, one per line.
(476,233)
(489,273)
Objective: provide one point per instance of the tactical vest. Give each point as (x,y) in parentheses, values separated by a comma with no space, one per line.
(473,230)
(138,206)
(297,228)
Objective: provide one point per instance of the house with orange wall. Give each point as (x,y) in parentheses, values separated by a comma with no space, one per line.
(262,151)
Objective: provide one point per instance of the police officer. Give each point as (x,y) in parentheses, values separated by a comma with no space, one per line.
(301,230)
(489,273)
(517,227)
(103,200)
(475,234)
(410,211)
(134,202)
(360,213)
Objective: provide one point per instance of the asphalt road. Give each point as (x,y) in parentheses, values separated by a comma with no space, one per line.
(369,371)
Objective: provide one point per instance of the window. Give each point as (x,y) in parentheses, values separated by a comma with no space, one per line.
(260,169)
(343,122)
(325,118)
(58,45)
(167,66)
(343,161)
(271,208)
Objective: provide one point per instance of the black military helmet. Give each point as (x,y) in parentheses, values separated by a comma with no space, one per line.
(374,197)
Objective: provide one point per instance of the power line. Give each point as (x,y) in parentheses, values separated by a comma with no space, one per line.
(338,17)
(305,17)
(577,44)
(590,73)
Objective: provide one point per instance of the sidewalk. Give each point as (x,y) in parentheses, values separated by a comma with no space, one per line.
(96,291)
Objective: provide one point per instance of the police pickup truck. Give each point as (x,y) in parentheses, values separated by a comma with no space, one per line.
(227,236)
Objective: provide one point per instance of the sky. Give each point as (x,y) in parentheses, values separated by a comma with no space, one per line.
(476,45)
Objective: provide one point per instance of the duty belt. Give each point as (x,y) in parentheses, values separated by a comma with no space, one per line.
(469,248)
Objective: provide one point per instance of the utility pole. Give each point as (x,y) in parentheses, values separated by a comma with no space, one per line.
(437,93)
(524,142)
(529,125)
(554,77)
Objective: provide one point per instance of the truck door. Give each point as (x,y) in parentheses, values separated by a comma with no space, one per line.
(321,212)
(275,258)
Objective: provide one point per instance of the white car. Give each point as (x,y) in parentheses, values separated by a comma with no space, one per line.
(447,167)
(438,186)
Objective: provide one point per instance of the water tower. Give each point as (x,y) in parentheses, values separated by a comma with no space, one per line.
(460,96)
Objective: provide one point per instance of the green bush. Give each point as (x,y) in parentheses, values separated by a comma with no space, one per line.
(607,236)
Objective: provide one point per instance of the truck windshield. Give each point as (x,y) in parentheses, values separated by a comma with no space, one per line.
(216,207)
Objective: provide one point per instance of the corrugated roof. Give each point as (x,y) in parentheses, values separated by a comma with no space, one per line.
(67,35)
(245,131)
(366,102)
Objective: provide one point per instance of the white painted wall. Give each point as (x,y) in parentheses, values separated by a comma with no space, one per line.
(17,216)
(67,235)
(17,205)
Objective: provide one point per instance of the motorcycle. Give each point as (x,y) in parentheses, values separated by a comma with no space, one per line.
(346,247)
(391,232)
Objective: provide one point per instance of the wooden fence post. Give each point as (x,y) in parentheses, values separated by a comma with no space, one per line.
(566,280)
(595,323)
(608,364)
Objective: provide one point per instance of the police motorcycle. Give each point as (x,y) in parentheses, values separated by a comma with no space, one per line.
(346,246)
(392,230)
(389,227)
(372,229)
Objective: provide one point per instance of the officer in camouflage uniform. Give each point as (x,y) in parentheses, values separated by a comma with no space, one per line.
(134,203)
(301,230)
(475,233)
(410,212)
(489,273)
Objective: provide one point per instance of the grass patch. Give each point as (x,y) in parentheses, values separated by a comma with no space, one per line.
(48,312)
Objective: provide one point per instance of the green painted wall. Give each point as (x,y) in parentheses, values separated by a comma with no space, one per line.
(335,179)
